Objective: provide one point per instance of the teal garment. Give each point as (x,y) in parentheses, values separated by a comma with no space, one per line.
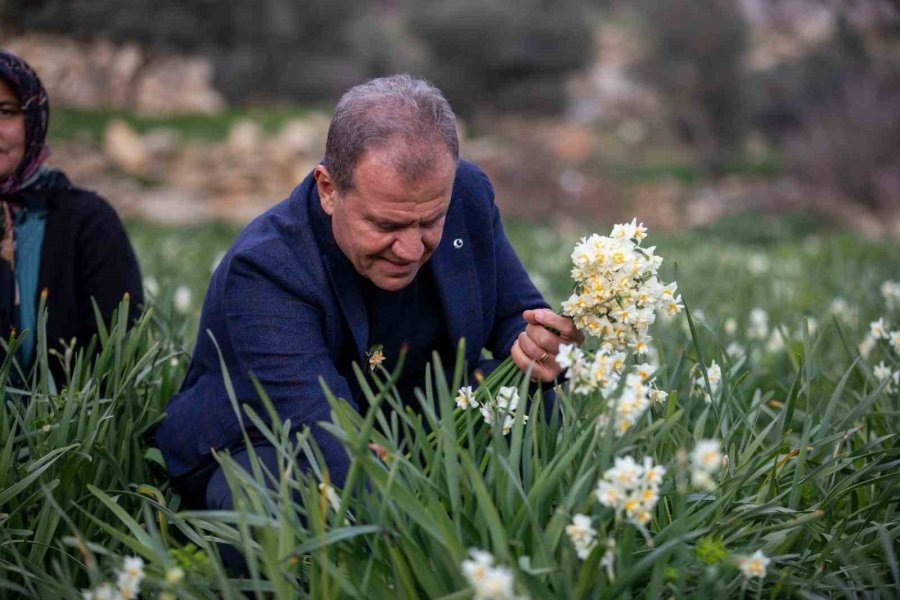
(29,224)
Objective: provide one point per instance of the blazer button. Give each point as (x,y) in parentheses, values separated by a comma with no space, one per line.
(458,243)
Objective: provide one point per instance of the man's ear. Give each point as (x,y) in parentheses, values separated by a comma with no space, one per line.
(326,188)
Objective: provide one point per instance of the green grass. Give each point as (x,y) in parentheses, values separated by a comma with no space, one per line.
(67,124)
(768,167)
(812,478)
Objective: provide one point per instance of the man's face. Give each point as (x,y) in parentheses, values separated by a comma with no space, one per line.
(387,226)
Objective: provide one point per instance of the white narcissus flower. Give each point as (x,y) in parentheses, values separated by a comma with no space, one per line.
(625,472)
(653,474)
(504,406)
(582,534)
(465,398)
(631,488)
(881,371)
(475,567)
(713,375)
(877,329)
(130,577)
(707,456)
(568,355)
(754,565)
(489,582)
(702,480)
(658,396)
(608,494)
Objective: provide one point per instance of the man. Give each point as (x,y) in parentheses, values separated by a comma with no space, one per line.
(392,240)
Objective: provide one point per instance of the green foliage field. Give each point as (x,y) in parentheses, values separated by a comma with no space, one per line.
(812,476)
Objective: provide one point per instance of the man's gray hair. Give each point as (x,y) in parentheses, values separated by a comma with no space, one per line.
(408,113)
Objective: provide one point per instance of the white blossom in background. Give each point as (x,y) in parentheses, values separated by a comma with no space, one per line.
(759,324)
(503,407)
(754,565)
(151,285)
(104,591)
(730,326)
(489,582)
(582,534)
(631,489)
(735,350)
(866,346)
(706,460)
(894,338)
(714,376)
(891,292)
(884,372)
(182,300)
(465,398)
(844,311)
(757,263)
(776,342)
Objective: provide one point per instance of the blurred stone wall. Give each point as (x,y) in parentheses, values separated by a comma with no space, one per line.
(98,73)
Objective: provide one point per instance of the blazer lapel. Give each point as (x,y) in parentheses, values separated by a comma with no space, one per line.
(345,284)
(453,265)
(343,278)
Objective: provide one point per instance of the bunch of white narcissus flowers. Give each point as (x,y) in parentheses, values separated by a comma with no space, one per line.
(631,489)
(603,372)
(617,291)
(127,584)
(617,295)
(500,409)
(489,582)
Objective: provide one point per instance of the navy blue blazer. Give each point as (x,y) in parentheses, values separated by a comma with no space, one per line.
(280,307)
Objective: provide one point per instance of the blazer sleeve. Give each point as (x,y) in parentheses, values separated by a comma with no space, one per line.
(107,267)
(515,291)
(277,333)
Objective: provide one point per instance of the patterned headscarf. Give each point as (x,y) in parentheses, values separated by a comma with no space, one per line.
(25,84)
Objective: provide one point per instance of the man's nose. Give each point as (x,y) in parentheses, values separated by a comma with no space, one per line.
(408,246)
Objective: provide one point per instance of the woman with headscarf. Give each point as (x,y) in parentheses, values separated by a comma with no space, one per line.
(55,238)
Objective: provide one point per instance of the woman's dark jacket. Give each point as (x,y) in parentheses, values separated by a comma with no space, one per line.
(85,254)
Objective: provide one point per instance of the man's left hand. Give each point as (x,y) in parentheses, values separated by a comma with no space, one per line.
(537,346)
